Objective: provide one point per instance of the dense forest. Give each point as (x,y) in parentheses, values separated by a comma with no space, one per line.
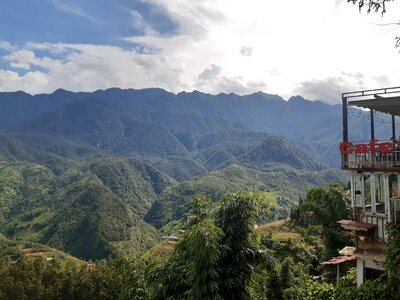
(215,257)
(144,194)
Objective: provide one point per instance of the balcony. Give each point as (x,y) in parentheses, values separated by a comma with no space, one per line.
(372,226)
(382,156)
(373,155)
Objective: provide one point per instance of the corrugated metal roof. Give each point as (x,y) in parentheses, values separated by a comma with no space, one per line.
(339,260)
(355,225)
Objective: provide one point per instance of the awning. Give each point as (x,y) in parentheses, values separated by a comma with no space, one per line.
(389,105)
(339,260)
(354,225)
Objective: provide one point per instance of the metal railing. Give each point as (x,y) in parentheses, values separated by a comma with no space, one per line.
(374,159)
(380,220)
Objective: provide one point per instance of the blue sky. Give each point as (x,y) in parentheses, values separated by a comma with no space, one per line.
(68,21)
(314,48)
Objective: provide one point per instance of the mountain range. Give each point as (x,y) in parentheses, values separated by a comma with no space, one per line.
(106,172)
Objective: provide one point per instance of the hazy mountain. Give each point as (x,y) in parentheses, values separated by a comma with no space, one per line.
(174,202)
(274,150)
(91,173)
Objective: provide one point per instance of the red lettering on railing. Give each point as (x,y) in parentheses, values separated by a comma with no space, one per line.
(386,147)
(345,147)
(349,148)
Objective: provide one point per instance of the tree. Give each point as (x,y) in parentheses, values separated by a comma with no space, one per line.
(373,5)
(214,259)
(236,217)
(324,206)
(376,6)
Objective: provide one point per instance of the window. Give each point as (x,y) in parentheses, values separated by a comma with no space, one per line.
(358,190)
(371,274)
(380,193)
(393,186)
(367,193)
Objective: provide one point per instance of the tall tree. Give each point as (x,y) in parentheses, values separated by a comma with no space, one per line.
(376,6)
(214,259)
(236,217)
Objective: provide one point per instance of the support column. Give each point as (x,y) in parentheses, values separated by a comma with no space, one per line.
(371,113)
(337,274)
(386,194)
(393,127)
(373,198)
(360,272)
(352,188)
(345,121)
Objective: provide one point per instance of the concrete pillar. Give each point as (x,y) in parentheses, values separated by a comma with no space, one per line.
(360,272)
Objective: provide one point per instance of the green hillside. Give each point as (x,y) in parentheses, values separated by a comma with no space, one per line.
(90,211)
(95,174)
(179,168)
(275,149)
(289,183)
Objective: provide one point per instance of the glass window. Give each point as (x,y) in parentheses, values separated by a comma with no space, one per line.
(393,186)
(380,193)
(367,193)
(358,190)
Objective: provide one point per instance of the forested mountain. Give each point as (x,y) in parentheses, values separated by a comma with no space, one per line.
(174,202)
(92,173)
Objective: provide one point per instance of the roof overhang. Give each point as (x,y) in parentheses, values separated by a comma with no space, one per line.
(339,260)
(386,100)
(389,105)
(355,225)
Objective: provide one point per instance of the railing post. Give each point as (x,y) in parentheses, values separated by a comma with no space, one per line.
(373,195)
(393,128)
(372,124)
(345,121)
(386,194)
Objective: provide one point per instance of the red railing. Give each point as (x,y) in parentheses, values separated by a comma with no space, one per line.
(372,159)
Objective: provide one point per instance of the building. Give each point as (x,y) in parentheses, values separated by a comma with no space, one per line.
(374,166)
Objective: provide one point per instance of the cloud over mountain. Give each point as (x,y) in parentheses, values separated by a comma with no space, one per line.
(175,44)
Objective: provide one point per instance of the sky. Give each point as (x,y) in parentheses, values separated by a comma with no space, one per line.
(313,48)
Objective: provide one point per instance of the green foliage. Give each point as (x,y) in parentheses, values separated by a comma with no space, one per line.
(87,211)
(287,276)
(192,271)
(276,150)
(200,208)
(40,279)
(214,260)
(324,206)
(179,168)
(310,290)
(384,287)
(133,181)
(236,217)
(174,202)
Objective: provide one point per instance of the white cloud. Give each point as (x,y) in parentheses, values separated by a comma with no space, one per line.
(32,82)
(283,47)
(246,51)
(330,89)
(211,81)
(5,45)
(71,7)
(87,67)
